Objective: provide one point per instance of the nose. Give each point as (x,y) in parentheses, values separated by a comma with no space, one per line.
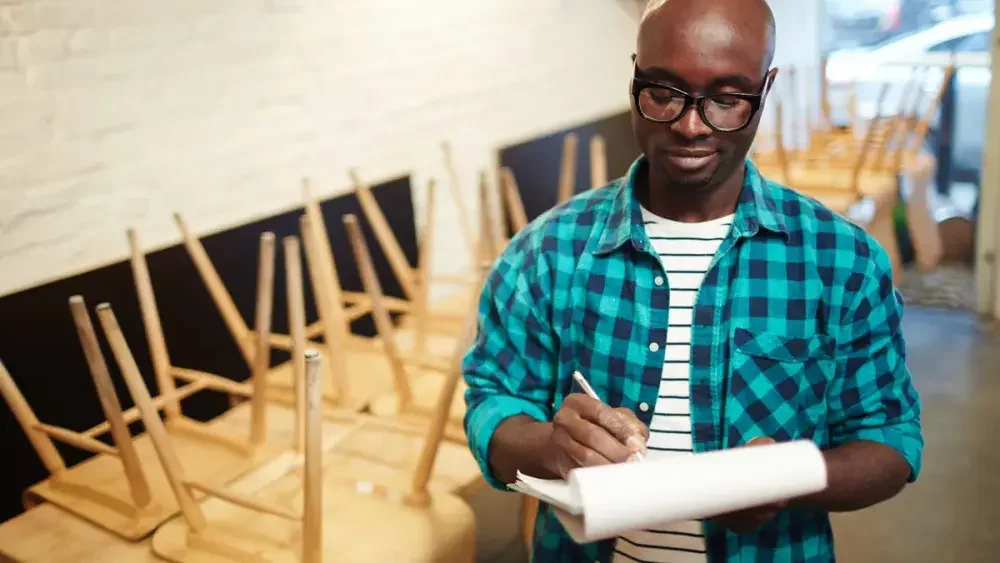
(690,125)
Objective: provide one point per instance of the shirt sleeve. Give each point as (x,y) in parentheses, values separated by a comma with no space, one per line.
(510,368)
(872,396)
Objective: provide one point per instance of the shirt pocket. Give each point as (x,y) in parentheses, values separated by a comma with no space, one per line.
(777,385)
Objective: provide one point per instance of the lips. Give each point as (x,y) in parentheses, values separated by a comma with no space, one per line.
(691,160)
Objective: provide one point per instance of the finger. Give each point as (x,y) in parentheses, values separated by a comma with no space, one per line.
(595,437)
(604,416)
(578,452)
(623,430)
(600,414)
(564,464)
(761,441)
(637,426)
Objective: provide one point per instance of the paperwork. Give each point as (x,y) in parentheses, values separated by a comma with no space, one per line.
(603,502)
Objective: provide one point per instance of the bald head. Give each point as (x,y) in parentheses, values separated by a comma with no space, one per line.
(718,48)
(713,22)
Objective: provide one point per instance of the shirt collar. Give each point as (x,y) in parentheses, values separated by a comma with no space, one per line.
(756,209)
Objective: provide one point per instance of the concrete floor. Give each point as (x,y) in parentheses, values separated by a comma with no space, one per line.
(949,514)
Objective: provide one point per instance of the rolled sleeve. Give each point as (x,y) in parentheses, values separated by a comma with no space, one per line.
(873,396)
(509,370)
(482,422)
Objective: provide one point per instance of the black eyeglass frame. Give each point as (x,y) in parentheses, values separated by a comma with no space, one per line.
(637,85)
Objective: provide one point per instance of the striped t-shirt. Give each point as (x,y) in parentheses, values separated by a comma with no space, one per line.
(686,251)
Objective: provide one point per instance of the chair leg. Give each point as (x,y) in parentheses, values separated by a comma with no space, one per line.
(529,510)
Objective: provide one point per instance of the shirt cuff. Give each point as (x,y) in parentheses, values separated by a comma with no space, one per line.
(482,422)
(898,437)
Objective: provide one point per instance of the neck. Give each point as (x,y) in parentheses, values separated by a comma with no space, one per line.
(691,206)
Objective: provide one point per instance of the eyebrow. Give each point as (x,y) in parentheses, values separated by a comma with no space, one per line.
(662,74)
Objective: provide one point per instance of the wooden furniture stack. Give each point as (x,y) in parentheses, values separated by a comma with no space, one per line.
(314,459)
(119,489)
(841,167)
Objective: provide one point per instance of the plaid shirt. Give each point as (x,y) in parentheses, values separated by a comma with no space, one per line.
(795,334)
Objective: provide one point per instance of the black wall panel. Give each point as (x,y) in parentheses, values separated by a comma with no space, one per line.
(40,348)
(536,162)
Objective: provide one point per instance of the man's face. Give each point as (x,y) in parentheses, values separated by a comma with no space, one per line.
(708,56)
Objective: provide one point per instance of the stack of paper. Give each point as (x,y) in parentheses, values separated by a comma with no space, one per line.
(603,502)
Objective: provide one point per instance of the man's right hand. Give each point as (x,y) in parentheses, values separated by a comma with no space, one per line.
(587,432)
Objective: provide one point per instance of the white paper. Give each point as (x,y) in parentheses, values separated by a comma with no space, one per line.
(556,492)
(603,502)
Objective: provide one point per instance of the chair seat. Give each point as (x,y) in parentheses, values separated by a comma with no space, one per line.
(368,371)
(356,527)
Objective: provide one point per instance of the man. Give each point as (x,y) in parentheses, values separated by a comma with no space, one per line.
(706,305)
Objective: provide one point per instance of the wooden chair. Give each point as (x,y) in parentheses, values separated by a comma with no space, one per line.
(511,194)
(123,506)
(95,490)
(318,511)
(416,393)
(492,214)
(429,337)
(198,539)
(357,372)
(512,200)
(459,474)
(258,359)
(441,317)
(415,383)
(921,128)
(420,357)
(241,332)
(598,162)
(837,184)
(567,168)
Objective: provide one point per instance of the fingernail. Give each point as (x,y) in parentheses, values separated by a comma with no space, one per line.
(635,444)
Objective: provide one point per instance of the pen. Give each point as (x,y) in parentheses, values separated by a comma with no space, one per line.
(593,395)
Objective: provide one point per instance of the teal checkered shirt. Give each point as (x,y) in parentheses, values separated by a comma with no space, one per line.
(795,335)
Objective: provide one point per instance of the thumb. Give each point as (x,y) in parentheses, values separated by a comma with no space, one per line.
(761,441)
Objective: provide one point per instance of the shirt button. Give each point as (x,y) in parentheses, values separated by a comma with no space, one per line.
(644,407)
(658,280)
(653,346)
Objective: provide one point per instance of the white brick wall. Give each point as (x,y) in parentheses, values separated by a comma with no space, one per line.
(115,113)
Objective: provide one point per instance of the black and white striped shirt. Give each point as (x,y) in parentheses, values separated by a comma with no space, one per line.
(686,251)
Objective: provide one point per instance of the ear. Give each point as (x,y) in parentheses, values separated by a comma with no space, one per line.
(771,76)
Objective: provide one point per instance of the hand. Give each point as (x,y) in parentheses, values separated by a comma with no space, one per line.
(587,432)
(749,519)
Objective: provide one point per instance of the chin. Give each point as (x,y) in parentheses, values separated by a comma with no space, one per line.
(689,179)
(692,183)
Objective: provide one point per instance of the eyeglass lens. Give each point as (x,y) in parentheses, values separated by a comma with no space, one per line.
(721,111)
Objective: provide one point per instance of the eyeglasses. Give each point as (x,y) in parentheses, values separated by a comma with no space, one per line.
(724,112)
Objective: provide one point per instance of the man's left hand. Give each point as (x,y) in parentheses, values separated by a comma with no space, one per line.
(749,519)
